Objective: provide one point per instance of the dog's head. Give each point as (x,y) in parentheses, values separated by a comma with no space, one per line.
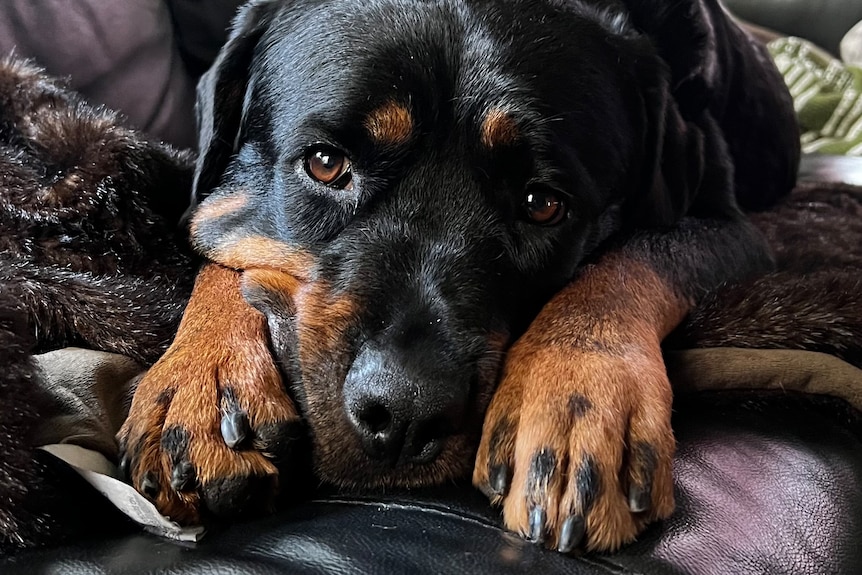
(407,183)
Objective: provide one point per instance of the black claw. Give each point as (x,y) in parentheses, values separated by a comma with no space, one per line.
(498,479)
(150,485)
(123,468)
(235,428)
(499,474)
(183,477)
(641,470)
(571,534)
(537,524)
(277,440)
(639,498)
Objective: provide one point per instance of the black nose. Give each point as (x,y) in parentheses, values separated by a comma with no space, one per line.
(400,414)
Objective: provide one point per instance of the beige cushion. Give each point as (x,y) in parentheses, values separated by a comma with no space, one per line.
(851,46)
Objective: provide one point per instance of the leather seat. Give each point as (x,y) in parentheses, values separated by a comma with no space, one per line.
(765,485)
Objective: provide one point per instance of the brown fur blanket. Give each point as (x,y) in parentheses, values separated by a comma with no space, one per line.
(90,256)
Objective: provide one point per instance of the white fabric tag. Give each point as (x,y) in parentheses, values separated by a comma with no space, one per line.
(102,474)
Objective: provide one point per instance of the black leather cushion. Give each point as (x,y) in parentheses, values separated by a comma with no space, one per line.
(824,22)
(763,486)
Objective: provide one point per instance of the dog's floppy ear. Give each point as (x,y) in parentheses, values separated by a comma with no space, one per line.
(676,93)
(221,93)
(684,34)
(673,162)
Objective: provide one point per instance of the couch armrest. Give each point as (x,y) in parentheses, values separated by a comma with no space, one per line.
(824,22)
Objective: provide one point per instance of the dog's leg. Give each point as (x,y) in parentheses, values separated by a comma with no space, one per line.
(211,420)
(577,443)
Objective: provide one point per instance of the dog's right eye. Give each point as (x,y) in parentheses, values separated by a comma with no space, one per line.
(330,167)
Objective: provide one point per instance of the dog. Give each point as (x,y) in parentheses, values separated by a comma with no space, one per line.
(448,238)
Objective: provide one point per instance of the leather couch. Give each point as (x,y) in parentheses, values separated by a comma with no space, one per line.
(765,484)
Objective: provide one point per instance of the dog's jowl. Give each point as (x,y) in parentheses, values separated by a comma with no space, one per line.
(462,229)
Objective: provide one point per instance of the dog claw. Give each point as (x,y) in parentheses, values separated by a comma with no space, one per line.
(639,498)
(123,468)
(537,524)
(183,476)
(571,534)
(150,485)
(498,480)
(234,428)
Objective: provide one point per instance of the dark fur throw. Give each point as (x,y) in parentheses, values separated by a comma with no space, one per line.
(91,254)
(813,300)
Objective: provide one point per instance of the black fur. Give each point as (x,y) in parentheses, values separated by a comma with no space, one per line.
(89,213)
(20,477)
(813,300)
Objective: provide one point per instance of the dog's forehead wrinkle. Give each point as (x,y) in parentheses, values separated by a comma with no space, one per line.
(440,41)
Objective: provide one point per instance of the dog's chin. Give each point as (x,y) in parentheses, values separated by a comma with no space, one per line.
(348,467)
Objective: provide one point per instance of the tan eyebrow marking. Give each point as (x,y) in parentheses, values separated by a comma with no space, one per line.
(498,129)
(216,207)
(391,123)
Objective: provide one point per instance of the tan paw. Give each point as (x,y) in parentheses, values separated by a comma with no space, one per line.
(577,444)
(211,421)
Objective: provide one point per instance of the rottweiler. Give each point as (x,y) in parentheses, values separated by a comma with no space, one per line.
(448,237)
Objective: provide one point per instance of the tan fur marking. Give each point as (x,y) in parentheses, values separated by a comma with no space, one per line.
(216,207)
(391,123)
(280,287)
(263,253)
(498,129)
(321,318)
(321,322)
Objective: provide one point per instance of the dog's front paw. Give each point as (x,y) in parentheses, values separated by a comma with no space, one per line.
(210,422)
(577,443)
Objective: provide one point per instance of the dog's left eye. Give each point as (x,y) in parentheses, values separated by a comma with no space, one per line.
(329,167)
(543,206)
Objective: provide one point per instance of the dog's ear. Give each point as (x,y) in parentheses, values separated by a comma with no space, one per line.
(221,94)
(675,92)
(673,161)
(684,35)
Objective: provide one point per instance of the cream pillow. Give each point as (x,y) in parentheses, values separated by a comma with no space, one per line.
(851,46)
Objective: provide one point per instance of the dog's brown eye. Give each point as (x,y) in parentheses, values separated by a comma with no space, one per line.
(330,167)
(544,207)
